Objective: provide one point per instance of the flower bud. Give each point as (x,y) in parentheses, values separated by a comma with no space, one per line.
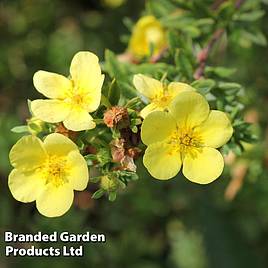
(35,125)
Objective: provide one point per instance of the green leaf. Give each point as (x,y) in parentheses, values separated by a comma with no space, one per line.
(105,102)
(192,30)
(203,85)
(257,37)
(29,106)
(98,194)
(134,129)
(126,176)
(184,64)
(35,127)
(128,23)
(112,196)
(95,179)
(132,103)
(114,68)
(113,93)
(20,129)
(250,16)
(135,121)
(173,40)
(221,72)
(90,158)
(103,156)
(98,121)
(229,86)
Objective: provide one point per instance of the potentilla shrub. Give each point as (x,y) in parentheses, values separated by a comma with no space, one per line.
(162,100)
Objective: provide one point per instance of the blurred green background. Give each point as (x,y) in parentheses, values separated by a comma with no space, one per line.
(152,224)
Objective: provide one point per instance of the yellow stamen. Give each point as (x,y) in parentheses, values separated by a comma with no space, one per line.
(55,170)
(186,141)
(162,99)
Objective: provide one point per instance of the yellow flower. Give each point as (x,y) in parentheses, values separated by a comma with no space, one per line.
(47,172)
(188,134)
(113,3)
(71,99)
(147,33)
(159,95)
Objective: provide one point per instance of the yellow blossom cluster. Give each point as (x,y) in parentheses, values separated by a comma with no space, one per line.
(179,129)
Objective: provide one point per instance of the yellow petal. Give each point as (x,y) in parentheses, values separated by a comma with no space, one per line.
(156,127)
(52,111)
(206,167)
(58,144)
(175,88)
(148,109)
(94,97)
(86,72)
(147,86)
(78,120)
(55,201)
(189,108)
(148,31)
(25,186)
(51,85)
(216,130)
(28,153)
(162,161)
(78,173)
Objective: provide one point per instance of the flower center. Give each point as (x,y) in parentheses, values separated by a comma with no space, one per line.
(55,170)
(187,141)
(162,99)
(77,97)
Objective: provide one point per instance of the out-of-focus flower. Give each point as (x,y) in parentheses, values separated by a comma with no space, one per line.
(188,134)
(47,172)
(113,3)
(72,99)
(148,37)
(159,95)
(116,117)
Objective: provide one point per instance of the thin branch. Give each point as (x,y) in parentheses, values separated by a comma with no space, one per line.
(203,55)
